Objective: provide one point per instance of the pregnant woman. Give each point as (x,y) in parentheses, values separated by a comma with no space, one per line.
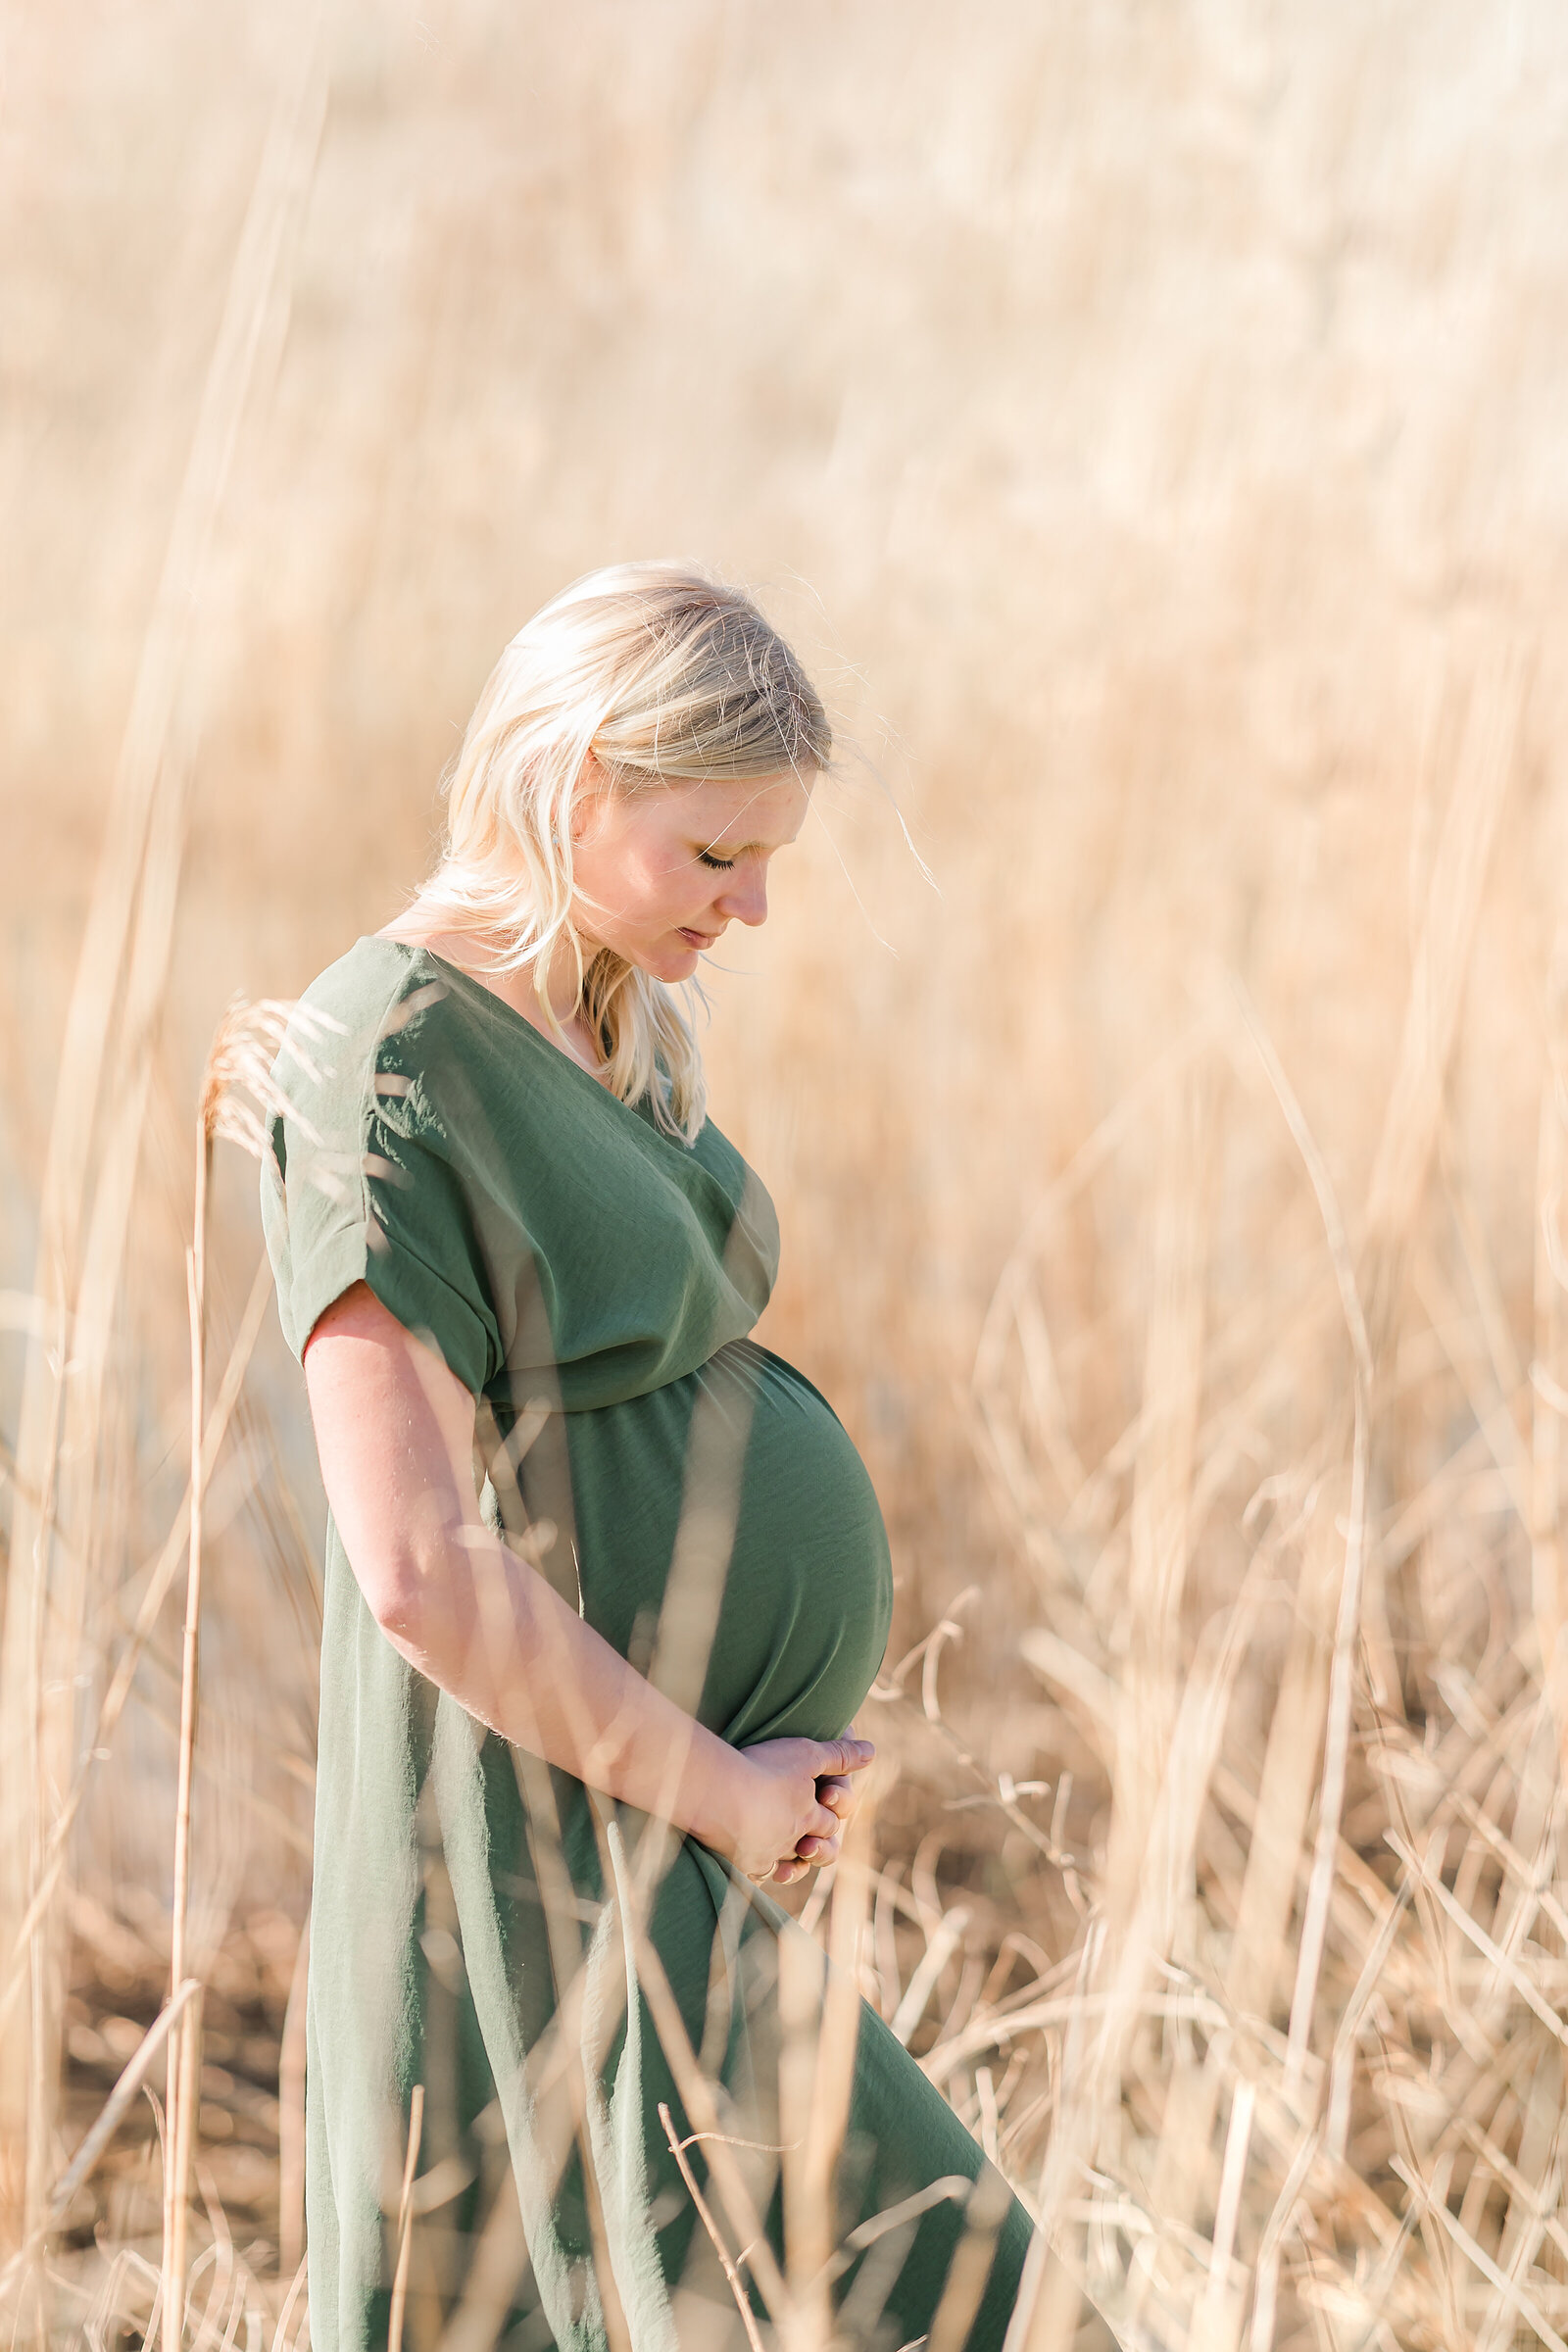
(606,1581)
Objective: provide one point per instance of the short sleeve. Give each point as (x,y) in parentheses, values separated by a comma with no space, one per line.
(365,1183)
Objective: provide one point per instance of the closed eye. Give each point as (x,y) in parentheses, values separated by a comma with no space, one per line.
(720,865)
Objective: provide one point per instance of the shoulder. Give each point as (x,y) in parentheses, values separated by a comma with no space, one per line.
(380,1022)
(382,989)
(366,1179)
(365,1046)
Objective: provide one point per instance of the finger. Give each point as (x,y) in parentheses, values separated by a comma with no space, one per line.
(787,1870)
(824,1831)
(835,1793)
(817,1851)
(835,1756)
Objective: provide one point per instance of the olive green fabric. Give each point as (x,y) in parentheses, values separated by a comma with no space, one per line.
(476,1916)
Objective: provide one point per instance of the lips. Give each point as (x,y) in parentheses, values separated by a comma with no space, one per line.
(698,938)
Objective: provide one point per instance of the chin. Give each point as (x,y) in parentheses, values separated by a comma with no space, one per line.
(665,960)
(677,963)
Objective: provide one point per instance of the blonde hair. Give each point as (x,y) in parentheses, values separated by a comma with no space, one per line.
(658,673)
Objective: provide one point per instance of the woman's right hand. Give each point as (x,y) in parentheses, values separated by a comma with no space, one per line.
(779,1824)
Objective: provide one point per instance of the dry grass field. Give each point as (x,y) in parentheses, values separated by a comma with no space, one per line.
(1148,423)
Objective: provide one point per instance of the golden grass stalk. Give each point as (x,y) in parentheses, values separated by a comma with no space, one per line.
(183,2101)
(1348,1626)
(400,2277)
(291,2117)
(1548,1400)
(296,2288)
(238,1092)
(737,2288)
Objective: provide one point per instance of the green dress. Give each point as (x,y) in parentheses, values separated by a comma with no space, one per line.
(483,1927)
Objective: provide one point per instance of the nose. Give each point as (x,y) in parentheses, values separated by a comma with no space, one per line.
(745,896)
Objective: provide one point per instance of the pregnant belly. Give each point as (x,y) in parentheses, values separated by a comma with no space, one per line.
(735,1497)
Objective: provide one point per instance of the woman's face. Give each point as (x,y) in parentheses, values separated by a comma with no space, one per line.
(661,874)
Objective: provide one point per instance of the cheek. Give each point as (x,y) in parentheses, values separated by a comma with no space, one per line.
(643,884)
(613,873)
(661,886)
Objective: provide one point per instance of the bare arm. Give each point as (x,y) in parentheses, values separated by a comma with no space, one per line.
(395,1429)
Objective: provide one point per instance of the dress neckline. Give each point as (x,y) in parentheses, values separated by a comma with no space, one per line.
(520,1020)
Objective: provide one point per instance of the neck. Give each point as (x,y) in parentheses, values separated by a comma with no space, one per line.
(479,956)
(560,978)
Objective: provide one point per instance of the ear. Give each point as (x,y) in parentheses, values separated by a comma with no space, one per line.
(589,800)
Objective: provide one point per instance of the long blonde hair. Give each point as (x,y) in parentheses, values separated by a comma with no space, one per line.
(658,673)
